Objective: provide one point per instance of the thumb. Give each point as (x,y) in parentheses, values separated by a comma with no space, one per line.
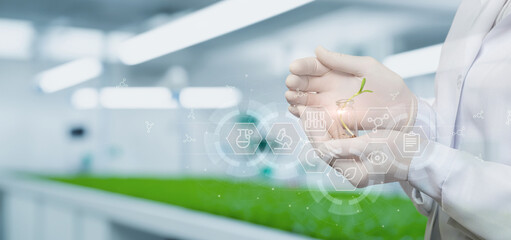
(343,148)
(355,65)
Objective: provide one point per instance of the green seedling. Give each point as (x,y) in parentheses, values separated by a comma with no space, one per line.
(349,99)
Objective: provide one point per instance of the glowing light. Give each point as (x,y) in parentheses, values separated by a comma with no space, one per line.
(415,63)
(201,26)
(69,74)
(209,97)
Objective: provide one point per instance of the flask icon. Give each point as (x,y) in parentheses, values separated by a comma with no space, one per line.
(244,137)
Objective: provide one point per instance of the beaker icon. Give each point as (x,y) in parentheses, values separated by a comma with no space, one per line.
(244,136)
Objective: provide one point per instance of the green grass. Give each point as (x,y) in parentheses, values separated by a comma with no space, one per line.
(289,209)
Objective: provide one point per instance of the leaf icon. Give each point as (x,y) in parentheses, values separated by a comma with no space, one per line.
(338,172)
(350,173)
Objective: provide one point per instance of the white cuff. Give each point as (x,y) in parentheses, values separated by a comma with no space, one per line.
(429,172)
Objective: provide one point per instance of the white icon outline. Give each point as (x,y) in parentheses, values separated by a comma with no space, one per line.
(479,115)
(348,174)
(411,142)
(189,139)
(378,121)
(122,84)
(377,157)
(313,164)
(377,166)
(315,121)
(244,138)
(351,175)
(247,135)
(149,125)
(459,132)
(394,95)
(284,140)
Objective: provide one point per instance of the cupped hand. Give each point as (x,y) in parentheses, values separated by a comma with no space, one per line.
(328,77)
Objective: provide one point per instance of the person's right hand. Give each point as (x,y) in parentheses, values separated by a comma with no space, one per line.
(328,77)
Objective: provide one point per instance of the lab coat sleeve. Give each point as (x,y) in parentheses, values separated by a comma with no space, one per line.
(474,193)
(426,120)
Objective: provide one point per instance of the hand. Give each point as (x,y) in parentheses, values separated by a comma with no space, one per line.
(378,161)
(328,77)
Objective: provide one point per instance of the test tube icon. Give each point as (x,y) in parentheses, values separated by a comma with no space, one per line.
(315,121)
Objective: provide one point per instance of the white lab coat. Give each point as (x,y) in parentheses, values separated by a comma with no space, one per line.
(463,181)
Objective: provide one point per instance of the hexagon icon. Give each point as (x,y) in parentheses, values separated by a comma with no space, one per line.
(316,121)
(345,174)
(283,138)
(377,158)
(313,160)
(377,121)
(244,138)
(412,142)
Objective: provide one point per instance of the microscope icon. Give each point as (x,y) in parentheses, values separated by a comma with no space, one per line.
(244,137)
(284,140)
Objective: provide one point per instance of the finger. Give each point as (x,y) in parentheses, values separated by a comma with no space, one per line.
(294,110)
(317,136)
(307,83)
(308,66)
(355,65)
(343,148)
(306,98)
(298,83)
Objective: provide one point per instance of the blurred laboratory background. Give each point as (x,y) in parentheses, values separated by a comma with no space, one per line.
(114,116)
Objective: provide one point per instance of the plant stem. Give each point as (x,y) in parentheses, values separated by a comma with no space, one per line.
(344,125)
(347,101)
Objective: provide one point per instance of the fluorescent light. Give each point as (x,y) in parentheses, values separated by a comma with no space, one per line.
(69,74)
(202,25)
(209,97)
(137,98)
(85,98)
(16,39)
(113,40)
(415,63)
(68,43)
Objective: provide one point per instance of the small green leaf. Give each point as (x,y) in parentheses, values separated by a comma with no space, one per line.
(367,91)
(362,85)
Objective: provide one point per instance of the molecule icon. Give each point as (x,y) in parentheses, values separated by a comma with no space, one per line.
(378,121)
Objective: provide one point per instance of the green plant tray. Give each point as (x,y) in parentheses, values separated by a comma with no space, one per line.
(286,208)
